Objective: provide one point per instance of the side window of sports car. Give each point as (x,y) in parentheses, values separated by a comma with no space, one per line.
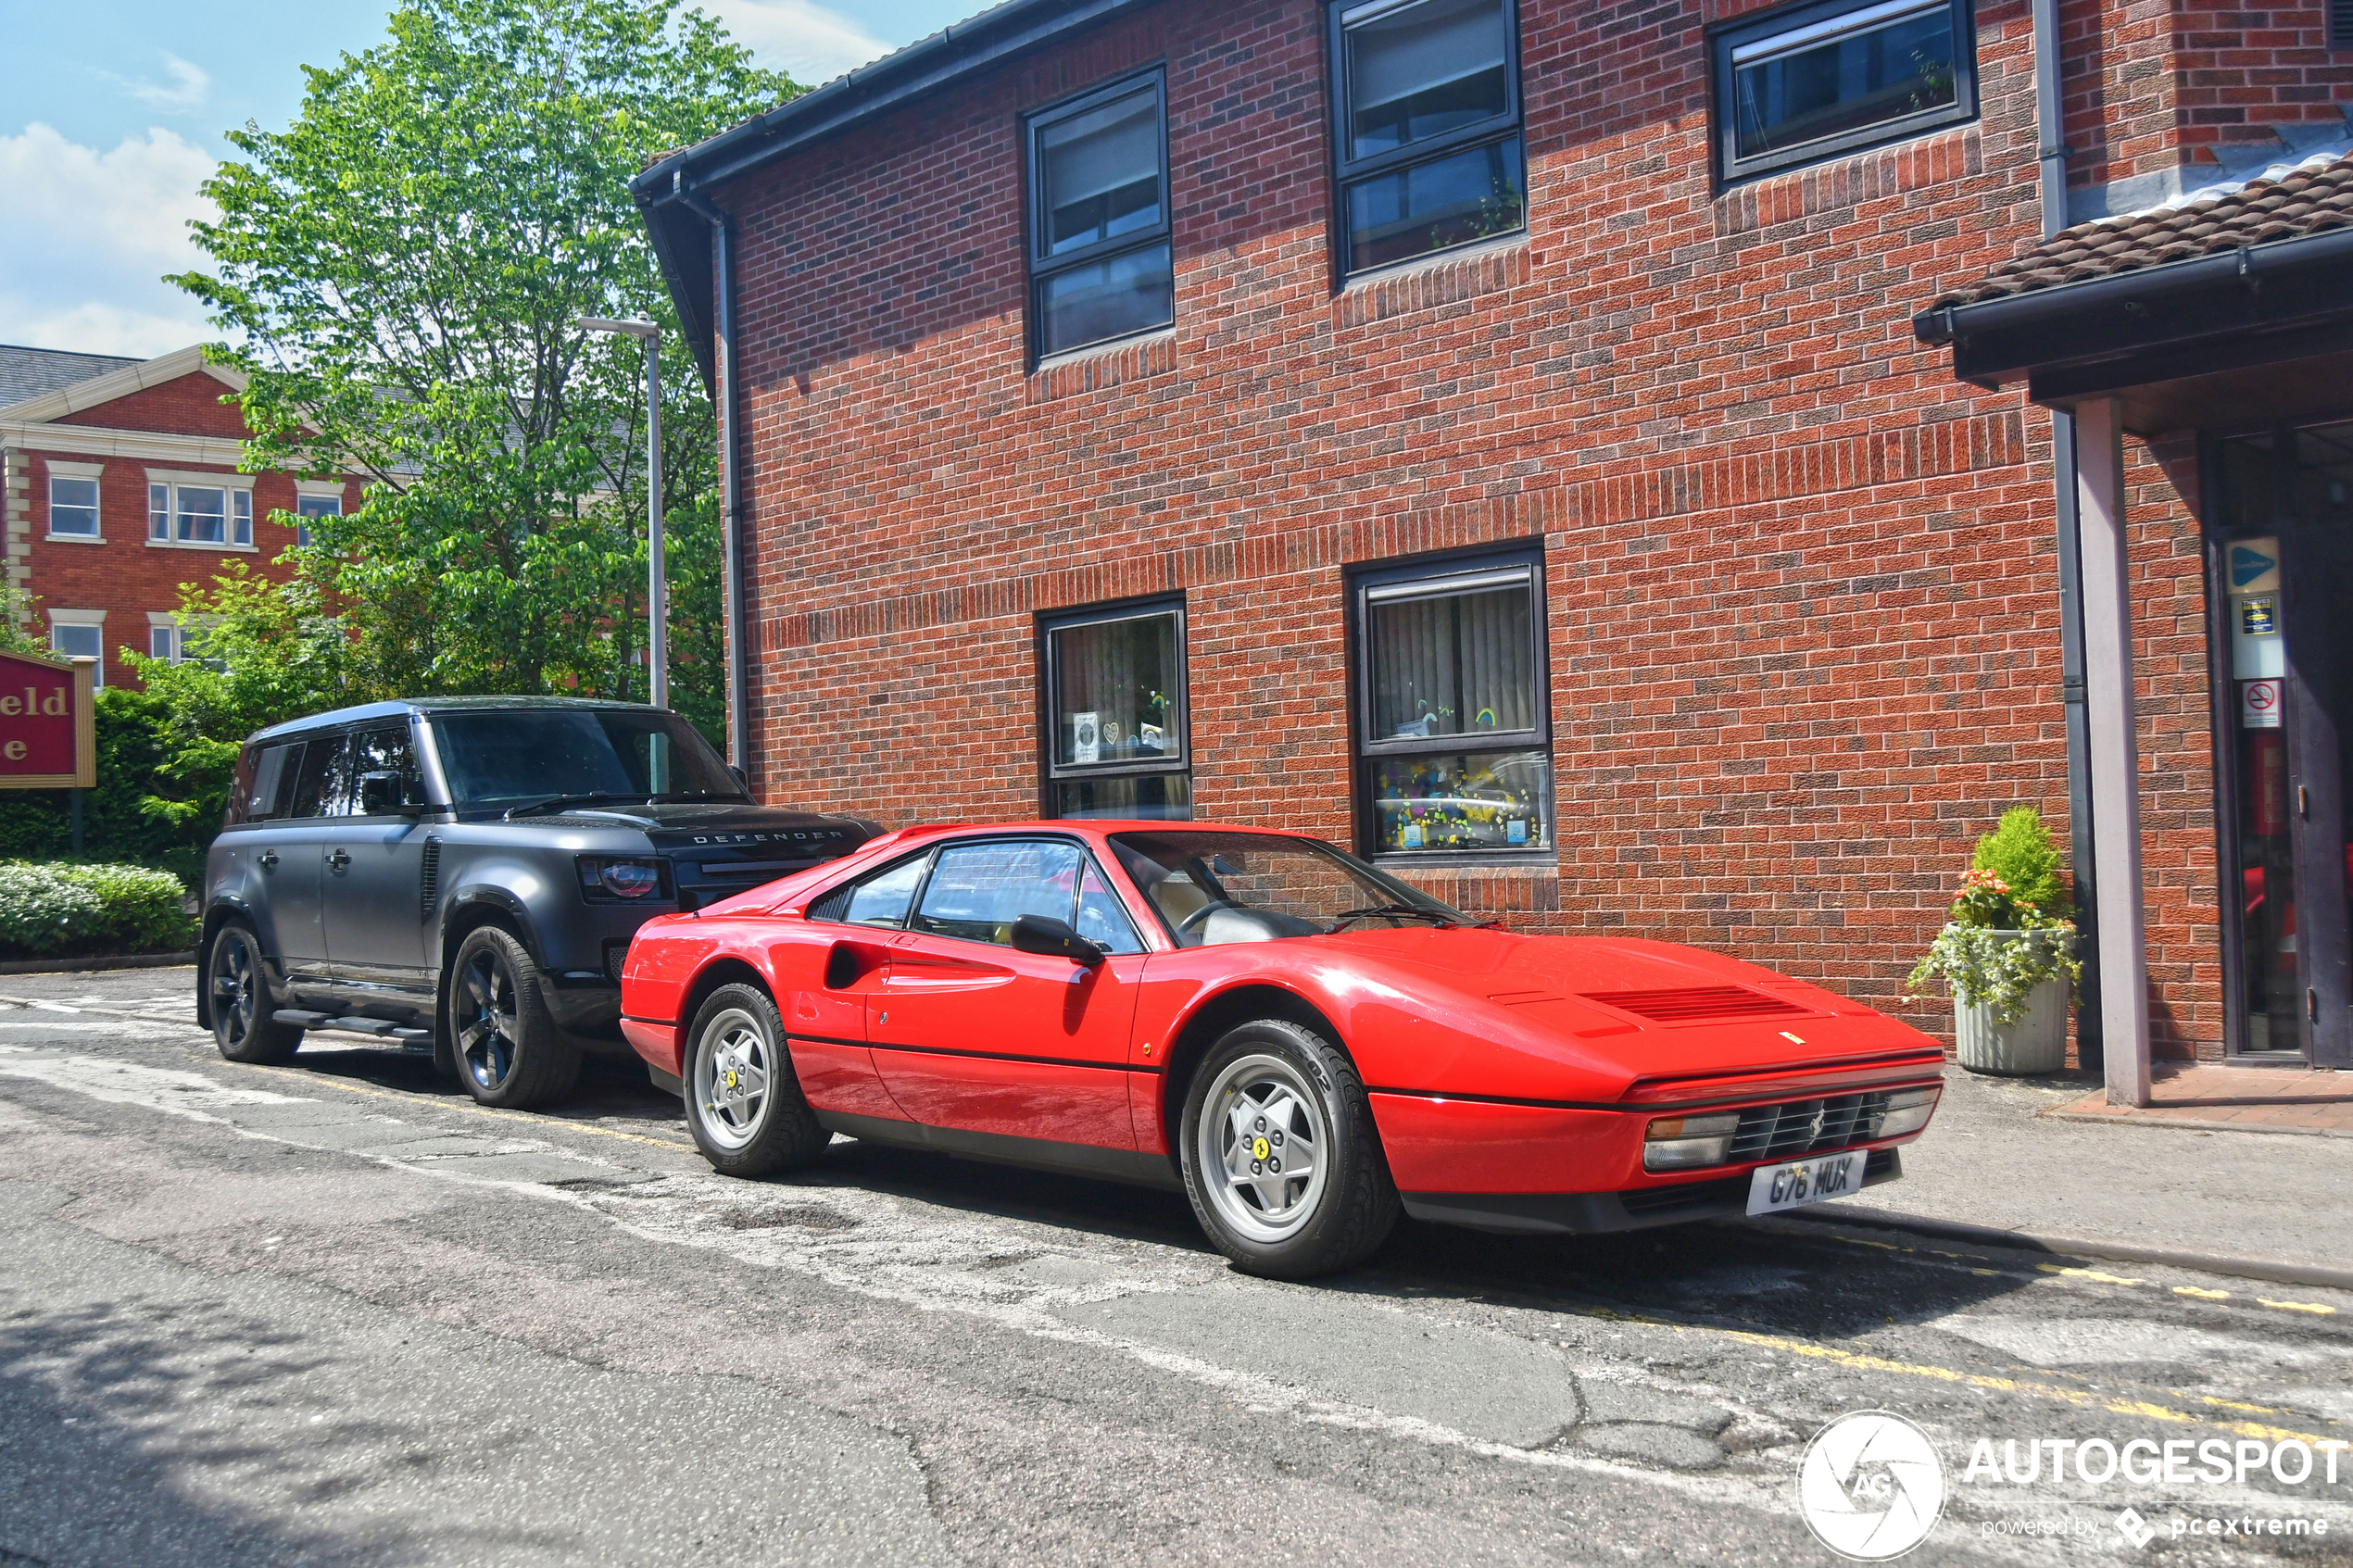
(978,890)
(880,899)
(1101,919)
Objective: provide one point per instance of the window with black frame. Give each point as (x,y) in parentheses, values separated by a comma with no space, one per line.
(1099,263)
(1427,126)
(1813,82)
(1114,733)
(1454,755)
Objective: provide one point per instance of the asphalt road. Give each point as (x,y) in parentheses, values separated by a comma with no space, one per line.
(335,1312)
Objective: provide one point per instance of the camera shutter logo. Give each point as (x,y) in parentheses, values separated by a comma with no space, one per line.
(1872,1487)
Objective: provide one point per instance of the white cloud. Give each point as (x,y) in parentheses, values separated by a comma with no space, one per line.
(90,235)
(809,42)
(190,86)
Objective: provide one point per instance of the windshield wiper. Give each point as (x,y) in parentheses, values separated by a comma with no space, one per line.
(559,802)
(1406,911)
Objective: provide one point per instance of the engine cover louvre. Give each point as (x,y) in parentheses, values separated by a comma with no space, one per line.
(1698,1004)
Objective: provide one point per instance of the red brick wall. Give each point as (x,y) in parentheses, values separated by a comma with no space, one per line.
(188,405)
(1802,590)
(2153,84)
(125,575)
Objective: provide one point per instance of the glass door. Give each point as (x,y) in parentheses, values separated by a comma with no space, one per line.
(2285,559)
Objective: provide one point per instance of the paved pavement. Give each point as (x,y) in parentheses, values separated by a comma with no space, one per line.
(335,1312)
(2205,1095)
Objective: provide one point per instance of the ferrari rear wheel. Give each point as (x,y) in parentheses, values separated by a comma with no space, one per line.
(1281,1159)
(743,1103)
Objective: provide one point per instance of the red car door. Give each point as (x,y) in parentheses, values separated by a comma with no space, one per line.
(968,1032)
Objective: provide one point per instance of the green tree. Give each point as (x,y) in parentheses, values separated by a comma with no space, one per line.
(404,264)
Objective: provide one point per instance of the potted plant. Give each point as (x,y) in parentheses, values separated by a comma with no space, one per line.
(2008,950)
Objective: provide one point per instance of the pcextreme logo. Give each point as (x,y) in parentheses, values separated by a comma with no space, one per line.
(1872,1487)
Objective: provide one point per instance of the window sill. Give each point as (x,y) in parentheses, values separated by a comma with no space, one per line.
(1442,278)
(1836,180)
(1103,365)
(1461,859)
(203,545)
(73,538)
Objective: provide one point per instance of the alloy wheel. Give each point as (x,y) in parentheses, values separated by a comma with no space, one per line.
(486,1042)
(732,1071)
(233,986)
(1265,1147)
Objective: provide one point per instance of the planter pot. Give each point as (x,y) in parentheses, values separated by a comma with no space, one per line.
(2037,1043)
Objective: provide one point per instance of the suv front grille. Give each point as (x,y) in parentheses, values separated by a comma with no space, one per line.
(1803,1126)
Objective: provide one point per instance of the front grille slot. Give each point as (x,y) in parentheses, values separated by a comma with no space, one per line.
(1697,1004)
(1801,1126)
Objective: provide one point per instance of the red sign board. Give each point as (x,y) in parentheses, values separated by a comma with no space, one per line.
(48,723)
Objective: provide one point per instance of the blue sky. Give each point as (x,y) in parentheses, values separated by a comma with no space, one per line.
(111,113)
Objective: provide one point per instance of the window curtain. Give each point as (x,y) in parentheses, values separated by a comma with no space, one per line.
(1453,664)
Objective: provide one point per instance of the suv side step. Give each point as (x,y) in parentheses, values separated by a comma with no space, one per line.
(383,1028)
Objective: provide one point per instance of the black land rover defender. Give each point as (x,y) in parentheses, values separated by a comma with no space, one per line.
(462,875)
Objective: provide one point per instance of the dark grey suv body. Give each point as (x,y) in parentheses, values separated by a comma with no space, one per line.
(362,848)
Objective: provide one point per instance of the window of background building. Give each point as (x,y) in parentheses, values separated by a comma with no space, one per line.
(1427,126)
(1812,82)
(73,506)
(82,637)
(200,514)
(1100,262)
(1454,754)
(314,506)
(168,639)
(1114,710)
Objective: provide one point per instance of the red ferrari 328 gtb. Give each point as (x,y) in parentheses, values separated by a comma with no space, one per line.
(1298,1041)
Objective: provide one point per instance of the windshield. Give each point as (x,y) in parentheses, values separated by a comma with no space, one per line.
(1212,887)
(508,757)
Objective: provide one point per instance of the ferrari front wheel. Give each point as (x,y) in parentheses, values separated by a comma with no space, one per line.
(1281,1159)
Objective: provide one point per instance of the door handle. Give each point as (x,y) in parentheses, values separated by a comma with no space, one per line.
(339,860)
(267,859)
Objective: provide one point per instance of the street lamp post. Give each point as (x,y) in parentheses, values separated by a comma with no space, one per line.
(657,585)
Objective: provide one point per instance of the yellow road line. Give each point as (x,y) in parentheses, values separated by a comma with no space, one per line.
(2298,1307)
(2201,1295)
(462,1107)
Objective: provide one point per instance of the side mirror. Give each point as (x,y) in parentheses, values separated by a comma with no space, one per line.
(381,795)
(743,781)
(1051,938)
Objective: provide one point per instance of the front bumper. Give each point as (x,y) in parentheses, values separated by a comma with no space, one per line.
(1596,1213)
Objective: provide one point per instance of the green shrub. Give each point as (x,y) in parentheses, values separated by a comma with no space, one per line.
(2020,851)
(80,911)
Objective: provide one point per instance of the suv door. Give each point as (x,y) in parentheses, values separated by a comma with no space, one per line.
(375,869)
(298,842)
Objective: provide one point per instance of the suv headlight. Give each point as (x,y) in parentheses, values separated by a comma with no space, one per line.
(1907,1112)
(1686,1143)
(624,879)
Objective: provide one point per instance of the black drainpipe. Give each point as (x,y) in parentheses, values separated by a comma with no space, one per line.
(723,267)
(2051,157)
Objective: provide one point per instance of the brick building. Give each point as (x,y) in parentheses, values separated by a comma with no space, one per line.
(121,484)
(1490,434)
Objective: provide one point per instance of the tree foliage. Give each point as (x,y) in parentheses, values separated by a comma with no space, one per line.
(404,266)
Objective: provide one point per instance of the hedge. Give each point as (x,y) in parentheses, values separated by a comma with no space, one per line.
(81,909)
(134,743)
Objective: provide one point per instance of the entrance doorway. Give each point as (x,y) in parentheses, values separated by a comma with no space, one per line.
(2283,578)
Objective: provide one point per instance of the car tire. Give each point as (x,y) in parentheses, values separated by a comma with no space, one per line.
(239,998)
(744,1103)
(1268,1090)
(509,1052)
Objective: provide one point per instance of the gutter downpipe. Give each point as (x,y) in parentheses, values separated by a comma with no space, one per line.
(2051,161)
(723,344)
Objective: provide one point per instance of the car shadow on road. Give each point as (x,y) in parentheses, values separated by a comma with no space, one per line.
(612,1089)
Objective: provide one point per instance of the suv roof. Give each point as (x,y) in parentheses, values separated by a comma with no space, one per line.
(403,707)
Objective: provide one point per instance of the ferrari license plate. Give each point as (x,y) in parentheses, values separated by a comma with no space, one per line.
(1806,1181)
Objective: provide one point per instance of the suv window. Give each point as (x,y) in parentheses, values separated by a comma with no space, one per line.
(977,890)
(275,768)
(317,790)
(388,757)
(508,757)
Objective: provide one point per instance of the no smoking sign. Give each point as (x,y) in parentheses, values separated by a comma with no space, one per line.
(2259,705)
